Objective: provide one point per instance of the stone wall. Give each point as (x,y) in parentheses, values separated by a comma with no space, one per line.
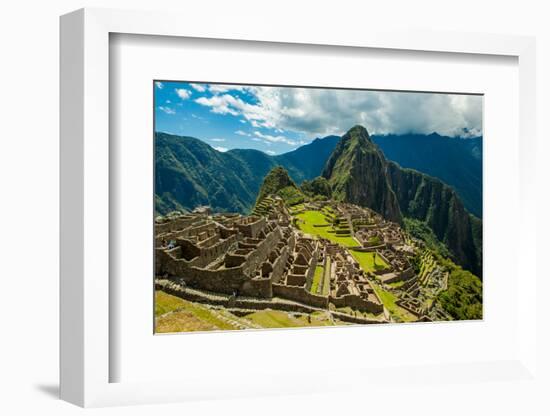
(257,287)
(174,225)
(293,279)
(299,294)
(230,302)
(357,302)
(206,254)
(407,273)
(166,262)
(258,256)
(223,279)
(252,229)
(279,265)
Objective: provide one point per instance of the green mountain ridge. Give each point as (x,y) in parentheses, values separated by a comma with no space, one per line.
(278,182)
(189,172)
(359,174)
(436,204)
(356,173)
(455,161)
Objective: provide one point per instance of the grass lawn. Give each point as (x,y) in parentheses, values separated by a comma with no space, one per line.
(326,277)
(309,219)
(279,319)
(353,312)
(182,321)
(296,208)
(317,277)
(396,285)
(368,262)
(186,316)
(165,303)
(389,299)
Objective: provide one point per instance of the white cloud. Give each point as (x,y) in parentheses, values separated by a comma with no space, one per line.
(221,149)
(221,88)
(167,110)
(320,112)
(168,102)
(183,93)
(218,104)
(270,152)
(242,121)
(242,133)
(275,139)
(199,87)
(217,139)
(159,85)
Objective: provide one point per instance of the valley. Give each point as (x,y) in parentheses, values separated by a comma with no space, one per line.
(315,263)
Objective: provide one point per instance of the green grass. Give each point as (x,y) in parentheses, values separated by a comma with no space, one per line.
(374,240)
(353,312)
(389,300)
(165,303)
(368,262)
(309,219)
(296,208)
(396,285)
(186,316)
(317,279)
(278,319)
(326,277)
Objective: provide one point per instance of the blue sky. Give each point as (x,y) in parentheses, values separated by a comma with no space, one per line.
(276,120)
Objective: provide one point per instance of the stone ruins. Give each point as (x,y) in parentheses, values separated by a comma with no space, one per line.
(265,256)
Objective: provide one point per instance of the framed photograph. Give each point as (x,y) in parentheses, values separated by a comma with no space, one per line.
(318,209)
(289,213)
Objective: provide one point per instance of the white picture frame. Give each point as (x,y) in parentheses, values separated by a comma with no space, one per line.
(85,211)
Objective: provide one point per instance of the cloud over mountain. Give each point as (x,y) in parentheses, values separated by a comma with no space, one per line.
(320,112)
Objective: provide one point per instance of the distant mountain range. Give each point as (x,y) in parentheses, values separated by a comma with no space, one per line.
(189,172)
(456,161)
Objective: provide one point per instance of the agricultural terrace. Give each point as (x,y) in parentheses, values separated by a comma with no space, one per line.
(317,278)
(316,223)
(277,319)
(173,314)
(369,261)
(319,223)
(321,279)
(389,300)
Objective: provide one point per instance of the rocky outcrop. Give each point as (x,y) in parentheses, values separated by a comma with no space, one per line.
(278,182)
(356,171)
(438,206)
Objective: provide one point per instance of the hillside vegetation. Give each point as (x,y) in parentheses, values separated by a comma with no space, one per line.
(189,172)
(277,182)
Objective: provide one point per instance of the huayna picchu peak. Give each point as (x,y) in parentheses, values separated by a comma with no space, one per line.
(356,171)
(359,173)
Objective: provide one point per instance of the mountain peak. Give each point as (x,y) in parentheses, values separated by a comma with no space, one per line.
(356,172)
(359,133)
(278,182)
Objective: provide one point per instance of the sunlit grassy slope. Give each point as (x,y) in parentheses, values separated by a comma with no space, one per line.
(315,223)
